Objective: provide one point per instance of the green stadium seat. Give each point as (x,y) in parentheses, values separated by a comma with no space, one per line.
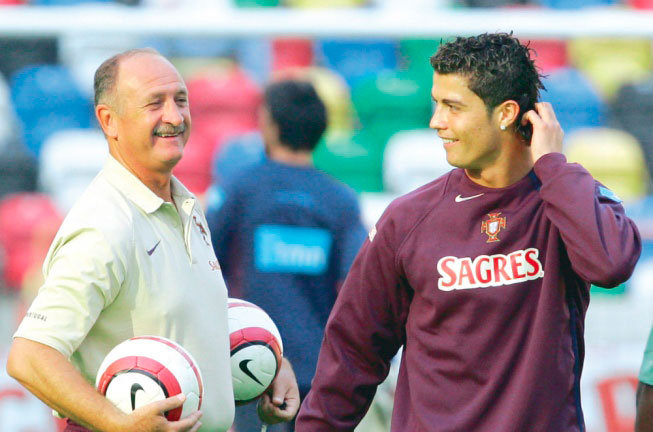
(355,160)
(390,102)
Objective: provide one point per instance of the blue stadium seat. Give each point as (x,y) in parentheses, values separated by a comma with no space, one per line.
(576,4)
(576,103)
(355,59)
(47,99)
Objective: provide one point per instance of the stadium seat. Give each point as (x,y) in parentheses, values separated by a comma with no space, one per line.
(70,159)
(577,4)
(611,390)
(65,2)
(413,158)
(324,3)
(292,53)
(224,101)
(47,99)
(550,54)
(609,63)
(391,101)
(194,169)
(354,159)
(415,58)
(640,4)
(255,3)
(613,157)
(356,59)
(575,101)
(28,222)
(632,110)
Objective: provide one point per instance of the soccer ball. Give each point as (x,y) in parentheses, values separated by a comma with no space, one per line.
(145,369)
(256,350)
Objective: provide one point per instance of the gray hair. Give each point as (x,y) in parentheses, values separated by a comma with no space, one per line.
(106,75)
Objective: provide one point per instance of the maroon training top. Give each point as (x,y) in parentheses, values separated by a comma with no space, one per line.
(487,290)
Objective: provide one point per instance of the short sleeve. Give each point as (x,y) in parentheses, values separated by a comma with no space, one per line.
(83,274)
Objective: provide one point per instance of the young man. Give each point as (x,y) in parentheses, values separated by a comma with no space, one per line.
(286,233)
(644,419)
(482,275)
(133,258)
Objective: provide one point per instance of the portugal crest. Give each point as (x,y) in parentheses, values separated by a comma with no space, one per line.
(493,226)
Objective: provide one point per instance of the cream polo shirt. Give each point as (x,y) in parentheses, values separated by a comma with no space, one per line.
(126,263)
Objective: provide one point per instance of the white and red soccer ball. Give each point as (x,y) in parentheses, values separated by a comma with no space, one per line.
(256,350)
(145,369)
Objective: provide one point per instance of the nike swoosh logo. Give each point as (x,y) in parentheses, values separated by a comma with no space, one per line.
(135,387)
(460,198)
(243,367)
(151,251)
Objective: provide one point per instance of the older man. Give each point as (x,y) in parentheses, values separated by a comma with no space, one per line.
(133,257)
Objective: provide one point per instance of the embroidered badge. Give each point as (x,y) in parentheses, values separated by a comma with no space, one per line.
(493,226)
(202,230)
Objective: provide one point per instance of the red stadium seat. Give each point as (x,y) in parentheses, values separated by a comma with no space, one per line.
(290,53)
(640,4)
(550,54)
(608,390)
(224,102)
(28,223)
(194,169)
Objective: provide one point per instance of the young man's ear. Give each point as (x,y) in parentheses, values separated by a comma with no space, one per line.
(508,112)
(107,119)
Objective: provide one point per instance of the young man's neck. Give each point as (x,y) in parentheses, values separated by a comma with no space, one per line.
(286,155)
(513,164)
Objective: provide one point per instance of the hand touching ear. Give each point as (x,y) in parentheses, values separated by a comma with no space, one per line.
(547,133)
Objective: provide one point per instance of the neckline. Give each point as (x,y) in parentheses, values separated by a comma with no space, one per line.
(468,185)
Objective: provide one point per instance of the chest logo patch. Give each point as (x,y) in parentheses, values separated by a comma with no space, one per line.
(493,226)
(199,226)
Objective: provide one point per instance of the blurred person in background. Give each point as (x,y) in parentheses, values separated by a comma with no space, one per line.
(132,258)
(285,233)
(482,275)
(644,417)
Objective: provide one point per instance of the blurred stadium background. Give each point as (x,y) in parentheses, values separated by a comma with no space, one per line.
(369,61)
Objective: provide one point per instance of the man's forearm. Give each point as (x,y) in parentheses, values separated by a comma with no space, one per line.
(52,378)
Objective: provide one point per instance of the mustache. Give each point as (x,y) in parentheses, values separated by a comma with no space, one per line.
(168,129)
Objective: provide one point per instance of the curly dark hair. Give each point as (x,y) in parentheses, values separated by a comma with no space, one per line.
(498,67)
